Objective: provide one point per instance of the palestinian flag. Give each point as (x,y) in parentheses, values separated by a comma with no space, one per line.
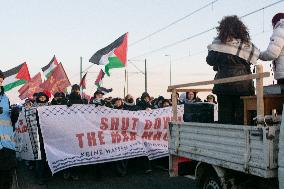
(16,76)
(99,78)
(57,81)
(83,81)
(104,90)
(112,56)
(47,70)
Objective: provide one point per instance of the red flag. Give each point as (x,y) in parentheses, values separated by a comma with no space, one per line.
(33,86)
(83,81)
(57,81)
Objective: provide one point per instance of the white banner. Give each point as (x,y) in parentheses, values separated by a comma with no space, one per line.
(27,138)
(85,134)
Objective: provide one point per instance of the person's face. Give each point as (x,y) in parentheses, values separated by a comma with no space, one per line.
(99,96)
(42,98)
(118,103)
(129,99)
(28,105)
(166,104)
(147,99)
(77,91)
(190,95)
(211,100)
(1,82)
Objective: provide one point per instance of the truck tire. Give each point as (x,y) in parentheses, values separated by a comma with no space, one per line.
(209,180)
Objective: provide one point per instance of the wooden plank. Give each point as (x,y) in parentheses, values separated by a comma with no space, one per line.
(174,105)
(193,90)
(224,80)
(264,96)
(259,93)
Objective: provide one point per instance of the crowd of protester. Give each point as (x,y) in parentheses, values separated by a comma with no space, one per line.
(230,54)
(145,102)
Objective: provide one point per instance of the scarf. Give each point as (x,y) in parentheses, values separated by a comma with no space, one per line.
(236,47)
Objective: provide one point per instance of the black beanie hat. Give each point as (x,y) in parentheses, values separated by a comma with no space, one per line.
(2,75)
(277,17)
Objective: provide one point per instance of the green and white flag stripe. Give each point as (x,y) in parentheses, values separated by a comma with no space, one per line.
(15,77)
(112,56)
(47,70)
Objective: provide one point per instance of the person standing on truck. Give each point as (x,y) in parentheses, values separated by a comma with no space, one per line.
(231,54)
(275,49)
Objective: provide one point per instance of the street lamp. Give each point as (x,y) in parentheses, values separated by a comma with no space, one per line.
(170,68)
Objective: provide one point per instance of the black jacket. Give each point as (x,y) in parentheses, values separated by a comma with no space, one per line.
(75,99)
(100,102)
(62,101)
(227,65)
(130,107)
(143,105)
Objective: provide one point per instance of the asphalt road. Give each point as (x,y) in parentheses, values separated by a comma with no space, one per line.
(106,179)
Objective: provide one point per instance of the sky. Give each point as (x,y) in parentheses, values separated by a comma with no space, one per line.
(33,31)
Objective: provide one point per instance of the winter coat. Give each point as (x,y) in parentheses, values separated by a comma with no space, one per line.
(228,63)
(143,105)
(62,101)
(99,102)
(130,107)
(74,98)
(197,99)
(275,50)
(7,136)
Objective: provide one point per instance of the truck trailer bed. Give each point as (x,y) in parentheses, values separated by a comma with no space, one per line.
(241,148)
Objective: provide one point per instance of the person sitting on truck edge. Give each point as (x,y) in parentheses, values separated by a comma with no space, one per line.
(231,54)
(275,49)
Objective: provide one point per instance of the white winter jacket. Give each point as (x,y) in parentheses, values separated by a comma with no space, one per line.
(275,50)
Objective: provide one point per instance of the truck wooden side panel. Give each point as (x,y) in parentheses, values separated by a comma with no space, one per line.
(246,149)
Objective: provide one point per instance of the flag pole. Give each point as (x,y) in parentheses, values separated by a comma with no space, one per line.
(145,75)
(81,72)
(124,91)
(126,81)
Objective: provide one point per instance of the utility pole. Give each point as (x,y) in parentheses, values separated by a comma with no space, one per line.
(81,72)
(126,81)
(170,71)
(145,75)
(124,90)
(170,68)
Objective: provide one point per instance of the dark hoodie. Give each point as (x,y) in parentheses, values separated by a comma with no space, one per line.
(143,105)
(75,98)
(59,101)
(41,103)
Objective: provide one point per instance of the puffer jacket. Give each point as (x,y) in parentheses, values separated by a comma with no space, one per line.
(275,50)
(7,135)
(228,65)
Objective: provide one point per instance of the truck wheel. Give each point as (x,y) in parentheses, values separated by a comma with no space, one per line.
(212,183)
(209,180)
